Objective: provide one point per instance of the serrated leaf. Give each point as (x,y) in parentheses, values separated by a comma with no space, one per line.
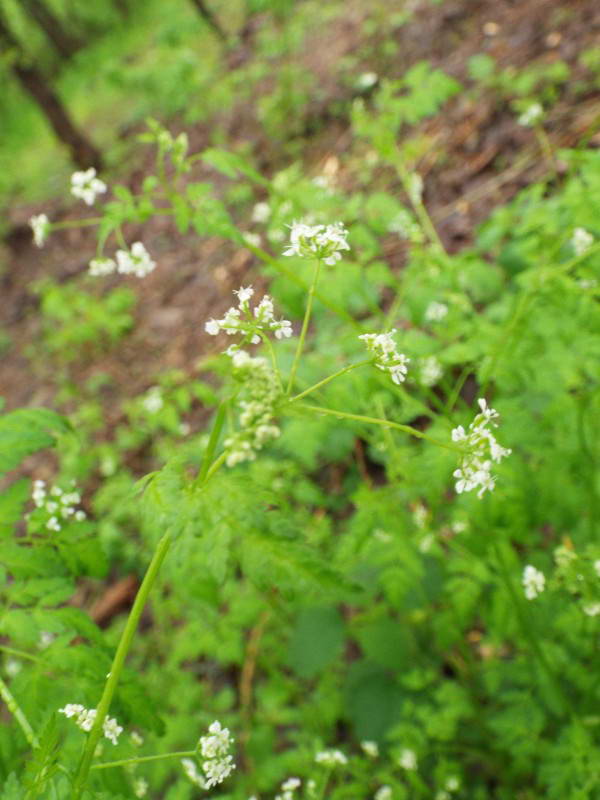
(12,501)
(26,431)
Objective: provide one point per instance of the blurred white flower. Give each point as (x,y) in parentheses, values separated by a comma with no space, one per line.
(531,115)
(99,267)
(135,261)
(534,582)
(387,358)
(40,225)
(581,241)
(85,185)
(318,241)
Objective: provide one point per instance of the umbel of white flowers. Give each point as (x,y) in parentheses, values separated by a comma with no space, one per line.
(387,358)
(481,449)
(581,241)
(318,241)
(534,582)
(58,505)
(135,261)
(249,323)
(85,718)
(40,225)
(85,185)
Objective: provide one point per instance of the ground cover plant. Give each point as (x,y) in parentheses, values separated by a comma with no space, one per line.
(349,550)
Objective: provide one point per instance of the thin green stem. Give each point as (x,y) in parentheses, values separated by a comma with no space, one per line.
(18,714)
(526,629)
(273,357)
(124,762)
(327,380)
(307,313)
(384,423)
(118,664)
(76,223)
(216,465)
(418,205)
(19,653)
(212,443)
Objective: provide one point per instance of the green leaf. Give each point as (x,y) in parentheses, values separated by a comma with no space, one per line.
(26,431)
(373,701)
(12,789)
(316,640)
(11,505)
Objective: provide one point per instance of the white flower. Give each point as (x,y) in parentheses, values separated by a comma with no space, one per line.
(190,769)
(408,759)
(453,783)
(38,494)
(366,79)
(474,467)
(86,185)
(136,739)
(597,567)
(387,358)
(46,639)
(140,787)
(249,323)
(435,312)
(135,261)
(415,188)
(261,212)
(331,758)
(370,748)
(592,609)
(318,241)
(112,730)
(531,115)
(404,225)
(383,793)
(253,239)
(214,748)
(85,718)
(13,667)
(581,241)
(291,784)
(431,371)
(40,225)
(153,400)
(53,524)
(534,582)
(100,267)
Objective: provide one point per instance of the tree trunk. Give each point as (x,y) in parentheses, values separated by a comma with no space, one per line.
(66,44)
(210,19)
(83,152)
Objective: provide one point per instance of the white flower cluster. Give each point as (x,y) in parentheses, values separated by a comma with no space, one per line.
(435,312)
(408,759)
(331,758)
(135,261)
(531,115)
(85,185)
(534,582)
(191,770)
(85,718)
(387,358)
(431,371)
(249,322)
(383,793)
(370,748)
(59,505)
(452,784)
(257,408)
(288,788)
(140,787)
(261,212)
(581,241)
(404,225)
(474,468)
(214,748)
(318,241)
(40,225)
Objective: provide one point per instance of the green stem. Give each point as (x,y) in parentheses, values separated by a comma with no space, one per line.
(143,759)
(76,223)
(19,653)
(212,444)
(217,464)
(526,628)
(384,423)
(118,664)
(328,379)
(417,204)
(307,313)
(18,714)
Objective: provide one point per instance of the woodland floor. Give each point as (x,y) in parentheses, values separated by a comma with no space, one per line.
(487,159)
